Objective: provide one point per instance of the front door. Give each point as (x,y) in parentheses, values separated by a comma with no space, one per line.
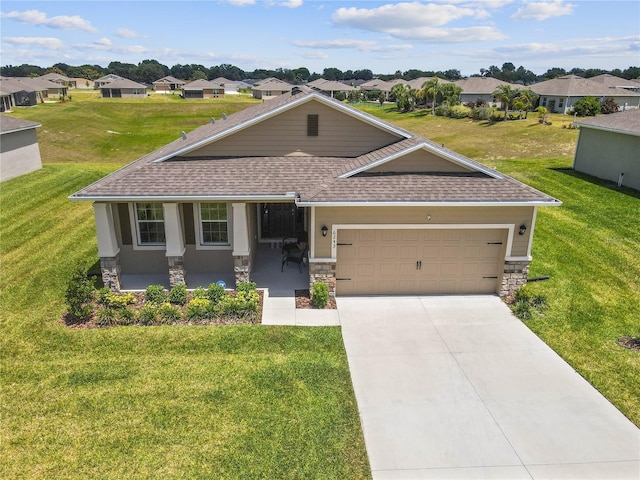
(279,220)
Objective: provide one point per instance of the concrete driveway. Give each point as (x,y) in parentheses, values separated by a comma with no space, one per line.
(457,387)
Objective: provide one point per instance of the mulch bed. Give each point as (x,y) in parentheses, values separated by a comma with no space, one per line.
(303,300)
(632,343)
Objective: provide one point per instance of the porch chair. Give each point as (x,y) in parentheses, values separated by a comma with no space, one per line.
(295,255)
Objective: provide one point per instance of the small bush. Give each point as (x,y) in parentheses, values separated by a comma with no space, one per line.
(156,294)
(246,287)
(169,313)
(178,294)
(110,299)
(215,293)
(609,105)
(319,295)
(587,107)
(79,295)
(244,304)
(200,292)
(497,116)
(106,317)
(148,314)
(459,111)
(442,110)
(126,316)
(482,112)
(198,309)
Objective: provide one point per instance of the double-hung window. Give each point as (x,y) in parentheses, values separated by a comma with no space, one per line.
(214,224)
(150,224)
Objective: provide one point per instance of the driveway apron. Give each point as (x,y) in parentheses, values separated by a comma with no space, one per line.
(457,387)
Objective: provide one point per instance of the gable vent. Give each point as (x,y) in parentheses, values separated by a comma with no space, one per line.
(312,125)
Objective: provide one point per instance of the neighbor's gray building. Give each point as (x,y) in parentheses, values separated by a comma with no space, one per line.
(609,148)
(19,151)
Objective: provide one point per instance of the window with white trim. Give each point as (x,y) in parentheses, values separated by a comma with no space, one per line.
(150,223)
(214,224)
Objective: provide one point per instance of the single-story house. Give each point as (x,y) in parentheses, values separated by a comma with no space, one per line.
(384,211)
(58,78)
(559,95)
(378,85)
(474,88)
(6,104)
(110,77)
(330,87)
(202,89)
(123,89)
(609,148)
(84,83)
(168,84)
(19,150)
(230,87)
(270,87)
(20,93)
(616,82)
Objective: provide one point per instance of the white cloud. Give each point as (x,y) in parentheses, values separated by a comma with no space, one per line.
(36,17)
(104,41)
(290,3)
(49,43)
(362,45)
(543,10)
(447,35)
(126,33)
(241,3)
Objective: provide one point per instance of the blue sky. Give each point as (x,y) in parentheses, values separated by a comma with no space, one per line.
(383,36)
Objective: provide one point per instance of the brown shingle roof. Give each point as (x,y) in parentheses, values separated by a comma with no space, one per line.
(574,86)
(624,122)
(11,124)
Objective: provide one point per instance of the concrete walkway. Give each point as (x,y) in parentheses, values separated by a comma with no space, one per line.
(456,387)
(281,310)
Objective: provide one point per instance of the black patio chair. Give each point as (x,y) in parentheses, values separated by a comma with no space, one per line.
(294,255)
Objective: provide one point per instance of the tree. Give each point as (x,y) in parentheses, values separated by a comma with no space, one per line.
(542,111)
(431,90)
(452,74)
(450,93)
(505,94)
(148,71)
(364,74)
(332,74)
(554,72)
(121,69)
(609,105)
(402,96)
(587,107)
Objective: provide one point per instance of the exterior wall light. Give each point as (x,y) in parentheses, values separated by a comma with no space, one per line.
(324,230)
(523,229)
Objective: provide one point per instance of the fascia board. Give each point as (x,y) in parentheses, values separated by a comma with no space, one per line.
(288,197)
(535,203)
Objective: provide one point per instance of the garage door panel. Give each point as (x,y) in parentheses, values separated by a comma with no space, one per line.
(420,261)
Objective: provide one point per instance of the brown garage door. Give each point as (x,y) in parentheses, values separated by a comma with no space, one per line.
(421,261)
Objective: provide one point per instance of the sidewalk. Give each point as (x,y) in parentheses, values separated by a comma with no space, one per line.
(282,311)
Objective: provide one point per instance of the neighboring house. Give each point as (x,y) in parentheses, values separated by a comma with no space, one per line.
(330,87)
(386,86)
(559,95)
(42,89)
(270,87)
(20,93)
(202,89)
(84,83)
(19,151)
(111,77)
(609,148)
(230,87)
(385,211)
(6,103)
(61,79)
(123,89)
(475,88)
(616,82)
(168,84)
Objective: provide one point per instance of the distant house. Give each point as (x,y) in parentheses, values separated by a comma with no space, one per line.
(22,94)
(84,83)
(609,148)
(230,87)
(559,95)
(5,100)
(616,82)
(111,77)
(123,89)
(168,84)
(202,89)
(19,151)
(481,88)
(330,87)
(270,87)
(386,86)
(61,79)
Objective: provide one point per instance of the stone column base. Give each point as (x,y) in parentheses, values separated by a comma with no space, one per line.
(515,276)
(323,272)
(177,272)
(241,268)
(110,269)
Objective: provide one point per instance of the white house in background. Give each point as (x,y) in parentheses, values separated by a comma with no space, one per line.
(106,79)
(270,87)
(230,87)
(19,150)
(609,148)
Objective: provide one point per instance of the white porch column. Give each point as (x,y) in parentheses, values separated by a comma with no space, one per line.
(105,230)
(241,244)
(108,248)
(175,243)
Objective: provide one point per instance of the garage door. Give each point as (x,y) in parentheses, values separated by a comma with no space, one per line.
(421,261)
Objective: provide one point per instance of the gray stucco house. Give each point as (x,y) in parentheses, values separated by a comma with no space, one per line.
(609,148)
(19,150)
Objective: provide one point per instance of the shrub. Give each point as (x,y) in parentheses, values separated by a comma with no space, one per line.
(459,111)
(106,317)
(79,295)
(169,313)
(198,309)
(215,293)
(246,287)
(319,295)
(587,107)
(609,105)
(497,116)
(178,294)
(200,292)
(114,300)
(126,316)
(244,304)
(156,294)
(148,314)
(442,110)
(482,112)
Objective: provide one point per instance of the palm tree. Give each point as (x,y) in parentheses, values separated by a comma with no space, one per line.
(431,90)
(531,99)
(505,94)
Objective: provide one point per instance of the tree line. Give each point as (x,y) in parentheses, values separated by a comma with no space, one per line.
(148,71)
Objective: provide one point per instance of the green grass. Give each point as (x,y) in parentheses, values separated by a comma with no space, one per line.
(256,401)
(152,402)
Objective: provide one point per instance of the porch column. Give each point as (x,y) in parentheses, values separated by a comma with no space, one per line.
(514,276)
(175,243)
(241,244)
(108,249)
